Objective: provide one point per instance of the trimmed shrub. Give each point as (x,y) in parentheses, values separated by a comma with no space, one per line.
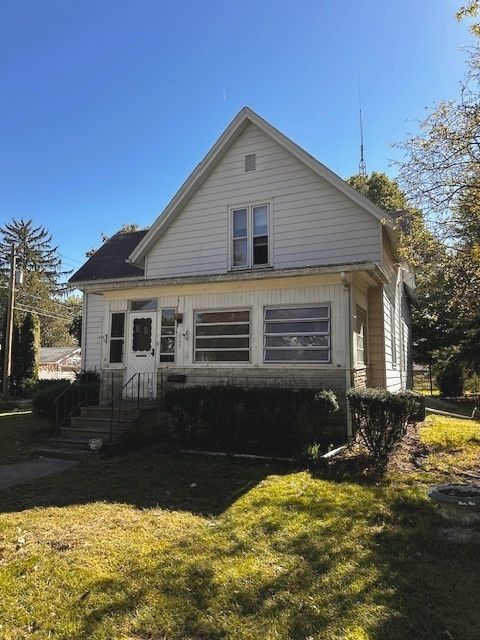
(380,420)
(260,419)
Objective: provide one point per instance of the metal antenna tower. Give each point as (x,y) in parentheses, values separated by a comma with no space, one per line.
(362,167)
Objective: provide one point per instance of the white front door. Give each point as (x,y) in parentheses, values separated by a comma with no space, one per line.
(141,339)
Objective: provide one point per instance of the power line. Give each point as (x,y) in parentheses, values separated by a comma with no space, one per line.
(31,295)
(42,313)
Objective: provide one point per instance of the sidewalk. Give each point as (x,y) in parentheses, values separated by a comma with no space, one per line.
(19,472)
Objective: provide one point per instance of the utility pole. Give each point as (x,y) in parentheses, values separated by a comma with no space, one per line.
(7,362)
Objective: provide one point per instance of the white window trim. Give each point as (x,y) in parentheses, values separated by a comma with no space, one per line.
(393,336)
(365,339)
(116,365)
(299,363)
(249,206)
(220,363)
(160,336)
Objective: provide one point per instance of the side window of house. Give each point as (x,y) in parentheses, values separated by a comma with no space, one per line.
(117,335)
(167,335)
(222,336)
(393,335)
(250,236)
(361,334)
(405,345)
(297,334)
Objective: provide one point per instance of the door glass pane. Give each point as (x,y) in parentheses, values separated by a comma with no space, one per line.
(142,334)
(118,325)
(240,223)
(260,250)
(260,220)
(240,252)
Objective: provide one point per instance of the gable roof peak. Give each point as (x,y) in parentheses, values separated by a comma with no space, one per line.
(213,157)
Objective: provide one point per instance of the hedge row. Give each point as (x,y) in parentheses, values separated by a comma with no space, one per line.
(262,420)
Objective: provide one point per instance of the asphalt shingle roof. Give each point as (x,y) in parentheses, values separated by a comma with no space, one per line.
(50,355)
(108,262)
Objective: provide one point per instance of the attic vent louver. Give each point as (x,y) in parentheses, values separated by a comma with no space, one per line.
(251,162)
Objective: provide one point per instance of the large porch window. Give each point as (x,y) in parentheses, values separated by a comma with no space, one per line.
(222,336)
(297,334)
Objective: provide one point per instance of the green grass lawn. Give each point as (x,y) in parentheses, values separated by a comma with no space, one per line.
(161,546)
(20,434)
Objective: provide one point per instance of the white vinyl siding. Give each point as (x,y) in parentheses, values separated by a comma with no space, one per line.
(93,331)
(313,223)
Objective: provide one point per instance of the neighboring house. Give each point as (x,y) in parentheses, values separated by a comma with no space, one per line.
(59,362)
(265,267)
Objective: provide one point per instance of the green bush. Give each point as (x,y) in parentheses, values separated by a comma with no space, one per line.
(7,402)
(44,399)
(380,420)
(260,419)
(84,390)
(450,378)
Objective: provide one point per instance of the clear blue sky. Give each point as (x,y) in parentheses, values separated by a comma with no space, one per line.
(107,105)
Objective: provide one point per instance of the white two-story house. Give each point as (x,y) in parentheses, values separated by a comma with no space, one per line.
(265,267)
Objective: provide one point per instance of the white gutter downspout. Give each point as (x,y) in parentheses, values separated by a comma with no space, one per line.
(349,344)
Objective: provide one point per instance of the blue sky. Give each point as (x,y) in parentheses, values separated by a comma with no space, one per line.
(106,106)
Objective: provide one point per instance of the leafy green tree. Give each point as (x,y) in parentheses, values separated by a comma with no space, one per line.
(435,324)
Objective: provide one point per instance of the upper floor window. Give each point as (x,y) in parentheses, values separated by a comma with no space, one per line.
(250,236)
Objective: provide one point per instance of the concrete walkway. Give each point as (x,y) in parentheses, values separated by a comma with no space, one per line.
(19,472)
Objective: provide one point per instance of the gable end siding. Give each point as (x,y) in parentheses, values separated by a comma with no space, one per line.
(313,223)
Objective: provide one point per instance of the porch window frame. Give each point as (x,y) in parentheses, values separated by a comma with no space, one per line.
(364,337)
(164,363)
(297,363)
(223,363)
(116,365)
(249,207)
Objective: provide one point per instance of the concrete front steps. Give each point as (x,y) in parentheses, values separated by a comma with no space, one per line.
(96,422)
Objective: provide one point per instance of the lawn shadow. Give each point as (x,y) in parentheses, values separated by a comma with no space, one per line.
(149,478)
(312,582)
